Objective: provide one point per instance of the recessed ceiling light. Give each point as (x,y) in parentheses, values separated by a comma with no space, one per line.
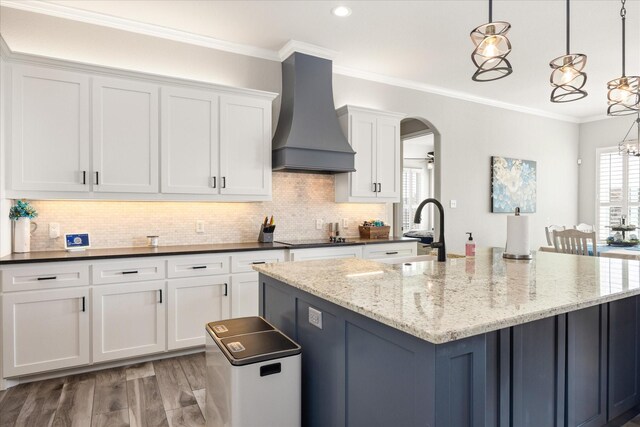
(341,11)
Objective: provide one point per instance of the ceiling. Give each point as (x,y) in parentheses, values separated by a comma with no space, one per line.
(420,44)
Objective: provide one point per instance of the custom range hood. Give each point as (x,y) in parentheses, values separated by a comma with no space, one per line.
(308,137)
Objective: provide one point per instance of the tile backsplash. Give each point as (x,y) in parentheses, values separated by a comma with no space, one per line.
(298,200)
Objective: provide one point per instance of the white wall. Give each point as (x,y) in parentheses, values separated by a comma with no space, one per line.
(5,223)
(470,133)
(594,135)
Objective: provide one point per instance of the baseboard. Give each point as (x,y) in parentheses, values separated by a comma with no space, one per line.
(624,418)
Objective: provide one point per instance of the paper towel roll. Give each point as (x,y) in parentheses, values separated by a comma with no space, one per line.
(517,235)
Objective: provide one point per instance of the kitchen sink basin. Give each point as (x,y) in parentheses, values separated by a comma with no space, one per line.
(406,260)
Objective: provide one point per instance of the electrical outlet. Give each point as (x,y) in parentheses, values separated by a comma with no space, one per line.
(319,224)
(199,226)
(54,230)
(315,317)
(453,204)
(345,222)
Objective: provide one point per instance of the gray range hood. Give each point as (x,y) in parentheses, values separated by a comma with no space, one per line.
(308,137)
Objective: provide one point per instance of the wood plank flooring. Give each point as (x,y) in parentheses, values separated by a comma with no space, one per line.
(163,393)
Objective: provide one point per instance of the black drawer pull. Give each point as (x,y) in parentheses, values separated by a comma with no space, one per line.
(226,288)
(259,262)
(274,368)
(97,178)
(84,177)
(199,267)
(48,278)
(160,295)
(130,272)
(392,253)
(83,305)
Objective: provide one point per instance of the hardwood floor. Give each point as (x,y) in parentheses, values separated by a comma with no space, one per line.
(163,393)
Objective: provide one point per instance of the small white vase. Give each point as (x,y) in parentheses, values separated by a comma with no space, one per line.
(22,235)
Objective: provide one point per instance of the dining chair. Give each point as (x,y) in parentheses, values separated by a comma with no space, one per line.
(584,227)
(575,242)
(549,232)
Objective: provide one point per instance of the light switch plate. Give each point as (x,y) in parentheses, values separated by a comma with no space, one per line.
(319,224)
(315,317)
(453,204)
(200,226)
(54,230)
(345,222)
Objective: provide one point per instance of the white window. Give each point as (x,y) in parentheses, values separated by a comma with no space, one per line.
(411,195)
(618,190)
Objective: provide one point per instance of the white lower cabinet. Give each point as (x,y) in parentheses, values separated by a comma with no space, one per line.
(193,303)
(128,320)
(245,295)
(45,330)
(336,252)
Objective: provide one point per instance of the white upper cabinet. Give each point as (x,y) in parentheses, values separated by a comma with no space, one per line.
(375,137)
(245,146)
(50,130)
(125,136)
(190,141)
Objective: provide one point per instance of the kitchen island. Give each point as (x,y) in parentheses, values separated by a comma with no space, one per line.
(470,342)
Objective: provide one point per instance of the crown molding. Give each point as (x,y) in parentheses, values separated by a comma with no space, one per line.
(42,7)
(595,118)
(307,48)
(424,87)
(88,17)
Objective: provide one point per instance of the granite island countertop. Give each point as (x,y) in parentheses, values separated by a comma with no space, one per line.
(442,302)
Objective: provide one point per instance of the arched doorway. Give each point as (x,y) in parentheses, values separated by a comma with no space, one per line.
(420,174)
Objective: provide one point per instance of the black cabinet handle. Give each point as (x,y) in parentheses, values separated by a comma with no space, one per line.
(83,305)
(224,182)
(259,262)
(375,186)
(84,177)
(130,272)
(214,181)
(274,368)
(160,295)
(392,253)
(226,288)
(199,267)
(97,178)
(48,278)
(379,187)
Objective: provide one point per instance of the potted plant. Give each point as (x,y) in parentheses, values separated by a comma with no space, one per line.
(22,213)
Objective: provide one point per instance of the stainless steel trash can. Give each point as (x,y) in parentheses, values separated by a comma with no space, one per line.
(253,375)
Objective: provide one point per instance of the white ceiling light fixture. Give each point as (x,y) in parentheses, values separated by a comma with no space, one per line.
(568,78)
(624,92)
(492,48)
(341,11)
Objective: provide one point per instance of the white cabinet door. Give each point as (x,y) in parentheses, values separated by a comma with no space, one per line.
(388,158)
(363,141)
(50,130)
(245,295)
(245,146)
(192,304)
(45,330)
(325,253)
(190,141)
(125,136)
(128,320)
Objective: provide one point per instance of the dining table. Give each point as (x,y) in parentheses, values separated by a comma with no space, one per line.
(607,251)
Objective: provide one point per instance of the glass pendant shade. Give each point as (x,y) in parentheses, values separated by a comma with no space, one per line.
(568,78)
(623,96)
(490,54)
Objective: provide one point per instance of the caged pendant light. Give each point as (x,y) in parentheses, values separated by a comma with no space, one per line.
(624,93)
(631,147)
(492,48)
(568,77)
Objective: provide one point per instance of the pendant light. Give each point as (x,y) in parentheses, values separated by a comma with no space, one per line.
(624,93)
(631,147)
(492,48)
(567,77)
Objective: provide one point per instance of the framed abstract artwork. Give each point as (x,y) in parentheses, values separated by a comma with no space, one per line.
(513,185)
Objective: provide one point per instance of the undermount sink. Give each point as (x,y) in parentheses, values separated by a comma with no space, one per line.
(409,259)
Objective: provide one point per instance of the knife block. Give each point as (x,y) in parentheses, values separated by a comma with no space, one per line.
(265,237)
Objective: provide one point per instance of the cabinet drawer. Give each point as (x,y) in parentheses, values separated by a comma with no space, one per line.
(195,266)
(391,250)
(128,271)
(44,276)
(325,253)
(241,262)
